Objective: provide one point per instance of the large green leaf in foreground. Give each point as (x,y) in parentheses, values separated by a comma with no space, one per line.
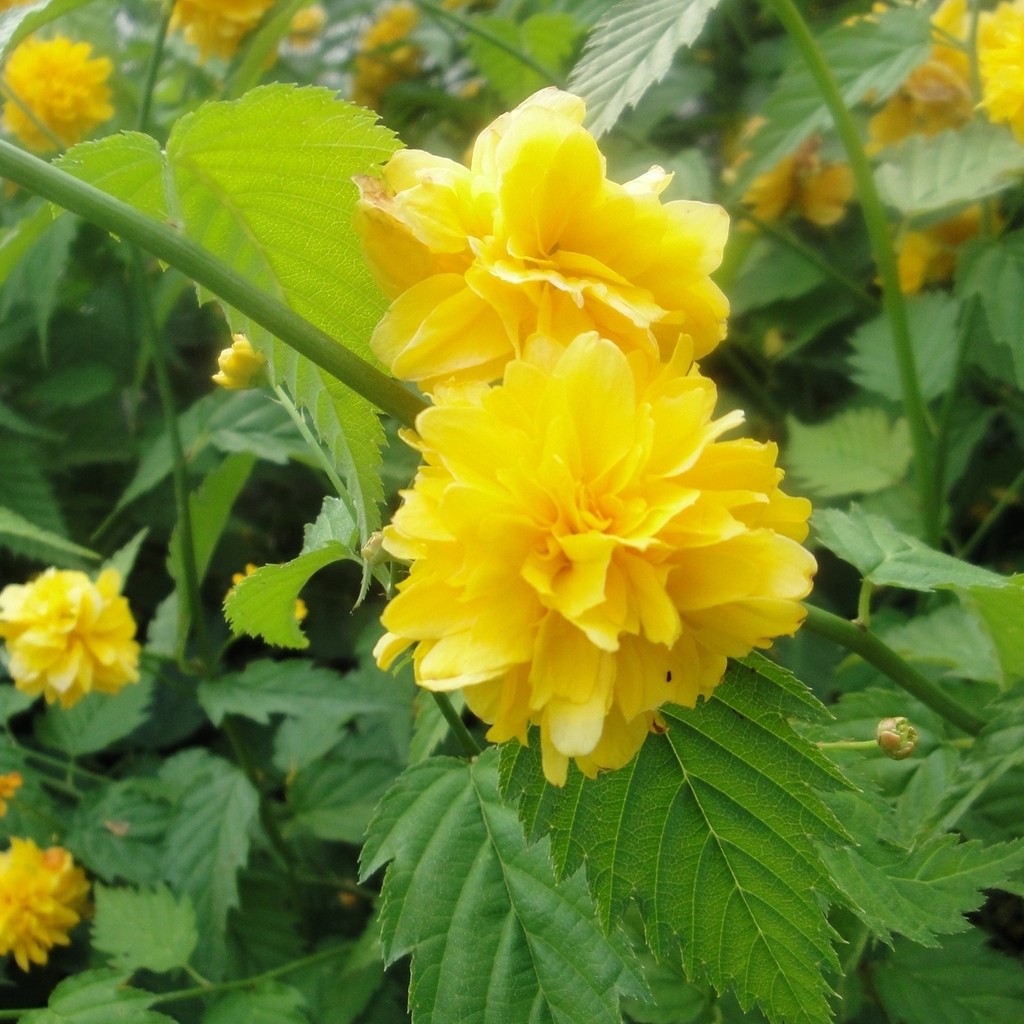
(712,829)
(265,183)
(494,937)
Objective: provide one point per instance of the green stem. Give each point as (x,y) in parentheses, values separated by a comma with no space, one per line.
(213,274)
(885,259)
(179,474)
(155,57)
(10,95)
(458,726)
(314,446)
(470,26)
(857,639)
(1008,497)
(847,745)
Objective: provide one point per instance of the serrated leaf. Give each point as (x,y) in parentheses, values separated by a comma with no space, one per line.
(857,451)
(887,557)
(208,842)
(870,57)
(25,490)
(13,526)
(295,688)
(97,997)
(97,720)
(266,183)
(547,38)
(151,930)
(492,935)
(1001,611)
(630,49)
(920,891)
(953,168)
(964,982)
(712,829)
(932,320)
(993,270)
(340,996)
(268,1002)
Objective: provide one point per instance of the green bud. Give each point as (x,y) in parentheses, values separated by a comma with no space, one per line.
(896,737)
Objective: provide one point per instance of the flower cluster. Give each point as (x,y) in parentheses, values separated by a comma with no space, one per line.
(68,635)
(385,56)
(1001,65)
(217,27)
(42,897)
(584,544)
(532,238)
(58,92)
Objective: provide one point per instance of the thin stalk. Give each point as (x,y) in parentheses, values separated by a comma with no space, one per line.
(885,260)
(470,25)
(458,726)
(314,446)
(1008,497)
(857,639)
(213,274)
(9,94)
(179,475)
(155,57)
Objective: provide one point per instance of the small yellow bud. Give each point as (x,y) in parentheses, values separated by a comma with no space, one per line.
(373,550)
(896,737)
(239,366)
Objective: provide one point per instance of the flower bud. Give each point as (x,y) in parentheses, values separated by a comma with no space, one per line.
(240,366)
(896,737)
(373,551)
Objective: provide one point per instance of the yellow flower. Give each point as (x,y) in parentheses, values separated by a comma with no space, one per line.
(1001,64)
(383,59)
(62,89)
(9,785)
(68,635)
(585,549)
(801,183)
(936,95)
(217,27)
(301,611)
(305,26)
(42,897)
(929,256)
(533,238)
(240,367)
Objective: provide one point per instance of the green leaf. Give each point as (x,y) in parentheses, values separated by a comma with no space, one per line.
(712,828)
(97,720)
(548,39)
(268,1002)
(932,319)
(151,930)
(263,604)
(97,997)
(208,842)
(887,557)
(857,451)
(1001,612)
(341,996)
(493,936)
(953,168)
(20,22)
(266,183)
(25,491)
(14,528)
(870,57)
(919,891)
(630,49)
(771,272)
(994,271)
(964,982)
(430,727)
(296,688)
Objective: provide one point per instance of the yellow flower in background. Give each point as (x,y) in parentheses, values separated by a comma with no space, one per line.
(533,238)
(67,635)
(383,57)
(585,548)
(42,897)
(217,27)
(62,88)
(301,611)
(240,366)
(1001,65)
(936,95)
(306,25)
(800,182)
(929,255)
(9,785)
